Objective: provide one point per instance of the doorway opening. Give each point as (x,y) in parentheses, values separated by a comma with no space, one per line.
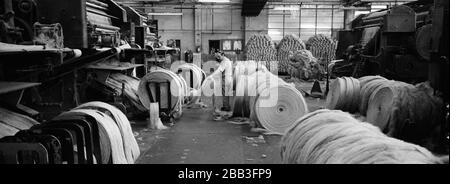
(213,46)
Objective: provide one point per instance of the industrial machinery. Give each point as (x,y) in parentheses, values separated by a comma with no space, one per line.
(392,42)
(16,21)
(99,29)
(47,51)
(438,70)
(90,23)
(407,42)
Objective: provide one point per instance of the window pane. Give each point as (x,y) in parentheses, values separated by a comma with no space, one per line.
(338,19)
(324,18)
(276,34)
(303,23)
(275,21)
(292,20)
(308,18)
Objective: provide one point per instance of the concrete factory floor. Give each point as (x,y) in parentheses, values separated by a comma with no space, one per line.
(197,139)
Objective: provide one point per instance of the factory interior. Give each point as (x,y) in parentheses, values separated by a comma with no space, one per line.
(224,82)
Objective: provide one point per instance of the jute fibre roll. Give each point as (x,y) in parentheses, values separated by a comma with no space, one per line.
(129,142)
(335,137)
(423,41)
(366,79)
(244,68)
(334,98)
(269,101)
(178,89)
(105,143)
(131,84)
(16,120)
(11,122)
(7,130)
(246,90)
(344,94)
(257,82)
(103,135)
(381,101)
(174,66)
(210,66)
(404,111)
(109,134)
(350,94)
(198,76)
(366,91)
(356,95)
(277,118)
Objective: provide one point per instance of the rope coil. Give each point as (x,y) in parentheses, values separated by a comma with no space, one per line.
(130,145)
(335,137)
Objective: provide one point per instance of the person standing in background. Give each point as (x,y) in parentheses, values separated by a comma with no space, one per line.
(226,71)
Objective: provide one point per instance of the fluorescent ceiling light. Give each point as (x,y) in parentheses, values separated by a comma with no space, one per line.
(292,8)
(214,1)
(166,13)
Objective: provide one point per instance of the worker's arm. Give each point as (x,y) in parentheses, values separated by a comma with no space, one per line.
(217,72)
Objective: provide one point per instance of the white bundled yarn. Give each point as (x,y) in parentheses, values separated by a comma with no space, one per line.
(289,43)
(107,129)
(303,65)
(272,66)
(130,145)
(260,47)
(322,47)
(335,137)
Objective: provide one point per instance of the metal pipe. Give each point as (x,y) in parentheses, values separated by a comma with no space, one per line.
(315,28)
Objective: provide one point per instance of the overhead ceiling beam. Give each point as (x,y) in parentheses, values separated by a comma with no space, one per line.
(252,8)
